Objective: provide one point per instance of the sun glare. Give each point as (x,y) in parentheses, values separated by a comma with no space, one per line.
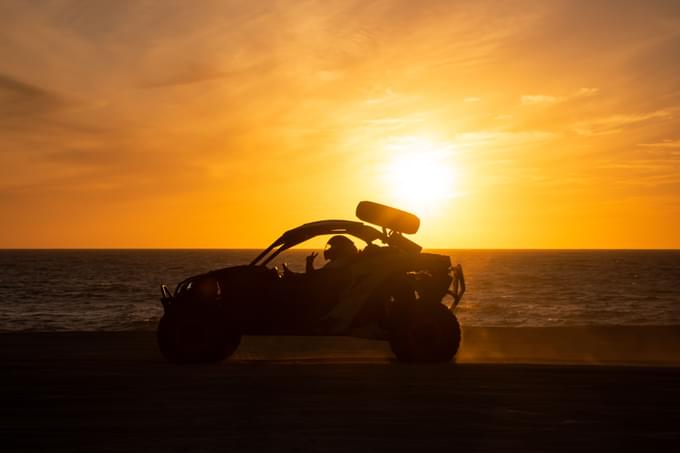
(420,174)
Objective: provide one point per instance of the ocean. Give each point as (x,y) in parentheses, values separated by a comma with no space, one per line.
(114,290)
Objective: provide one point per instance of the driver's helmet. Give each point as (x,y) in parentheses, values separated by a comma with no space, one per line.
(339,247)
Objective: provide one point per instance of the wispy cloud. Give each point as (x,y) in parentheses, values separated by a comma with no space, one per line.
(616,123)
(493,139)
(539,99)
(587,92)
(669,143)
(20,99)
(544,99)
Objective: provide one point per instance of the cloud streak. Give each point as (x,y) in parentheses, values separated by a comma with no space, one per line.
(21,99)
(668,143)
(538,99)
(616,123)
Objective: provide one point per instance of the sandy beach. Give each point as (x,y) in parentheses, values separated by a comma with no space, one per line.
(511,389)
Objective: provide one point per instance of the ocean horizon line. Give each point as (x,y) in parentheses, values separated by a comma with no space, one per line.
(254,248)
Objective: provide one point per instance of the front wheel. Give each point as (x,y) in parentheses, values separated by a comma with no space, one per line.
(424,332)
(195,339)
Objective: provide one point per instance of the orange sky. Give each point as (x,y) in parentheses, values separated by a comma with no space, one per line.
(217,124)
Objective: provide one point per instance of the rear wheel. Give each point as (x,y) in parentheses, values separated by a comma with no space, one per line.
(195,339)
(424,332)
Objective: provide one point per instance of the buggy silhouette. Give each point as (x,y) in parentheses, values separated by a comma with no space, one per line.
(392,292)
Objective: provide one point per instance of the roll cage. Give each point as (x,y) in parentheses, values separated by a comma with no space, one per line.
(366,233)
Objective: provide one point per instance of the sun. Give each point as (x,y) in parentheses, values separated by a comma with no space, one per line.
(420,174)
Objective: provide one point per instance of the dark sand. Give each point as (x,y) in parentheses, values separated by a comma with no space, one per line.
(552,389)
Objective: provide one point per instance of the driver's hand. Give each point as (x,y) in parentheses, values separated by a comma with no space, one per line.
(310,262)
(312,256)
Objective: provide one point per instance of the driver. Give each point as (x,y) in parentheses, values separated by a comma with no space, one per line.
(339,251)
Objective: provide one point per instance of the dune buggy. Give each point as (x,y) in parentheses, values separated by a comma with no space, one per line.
(390,290)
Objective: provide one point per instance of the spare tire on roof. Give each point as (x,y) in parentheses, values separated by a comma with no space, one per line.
(388,217)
